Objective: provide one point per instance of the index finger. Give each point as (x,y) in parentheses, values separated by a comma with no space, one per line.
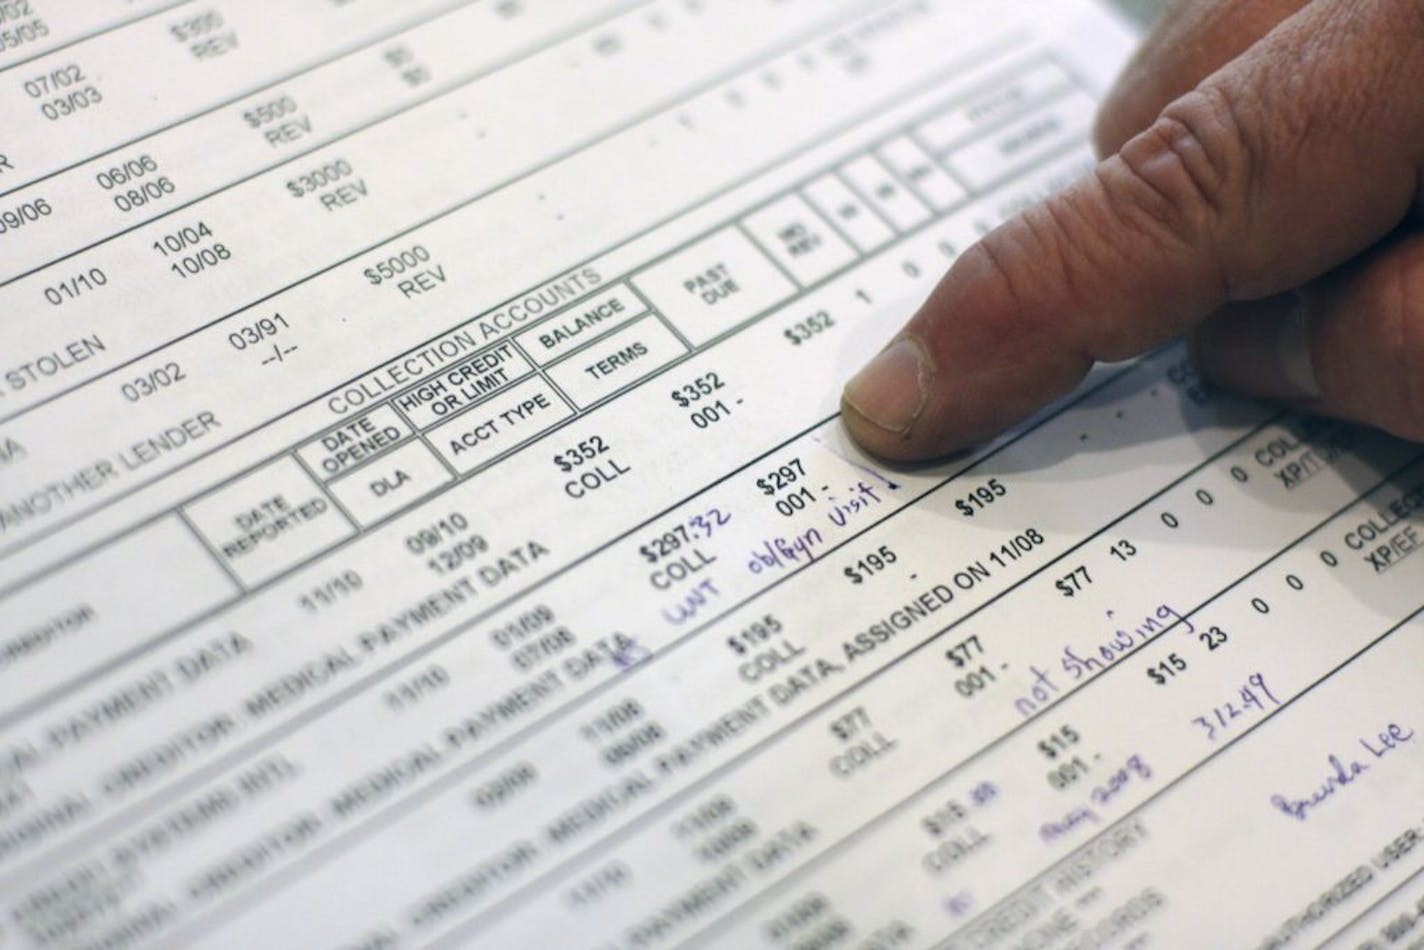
(1261,178)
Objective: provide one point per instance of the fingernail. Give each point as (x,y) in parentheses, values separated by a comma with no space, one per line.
(891,390)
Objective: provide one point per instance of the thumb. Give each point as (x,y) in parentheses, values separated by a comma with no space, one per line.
(1287,161)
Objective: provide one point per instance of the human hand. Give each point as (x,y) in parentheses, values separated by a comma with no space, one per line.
(1265,163)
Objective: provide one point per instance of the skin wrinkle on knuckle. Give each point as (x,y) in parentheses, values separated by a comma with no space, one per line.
(1162,197)
(1202,132)
(1208,160)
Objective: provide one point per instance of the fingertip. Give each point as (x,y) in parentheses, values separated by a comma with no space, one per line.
(890,391)
(870,436)
(882,405)
(934,436)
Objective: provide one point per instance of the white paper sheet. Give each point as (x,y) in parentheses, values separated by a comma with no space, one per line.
(424,520)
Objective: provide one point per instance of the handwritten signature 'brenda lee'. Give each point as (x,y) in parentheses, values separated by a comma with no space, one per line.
(1344,773)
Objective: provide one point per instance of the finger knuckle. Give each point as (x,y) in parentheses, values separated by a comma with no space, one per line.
(1192,163)
(1182,185)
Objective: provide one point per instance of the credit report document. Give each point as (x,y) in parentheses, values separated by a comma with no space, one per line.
(425,521)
